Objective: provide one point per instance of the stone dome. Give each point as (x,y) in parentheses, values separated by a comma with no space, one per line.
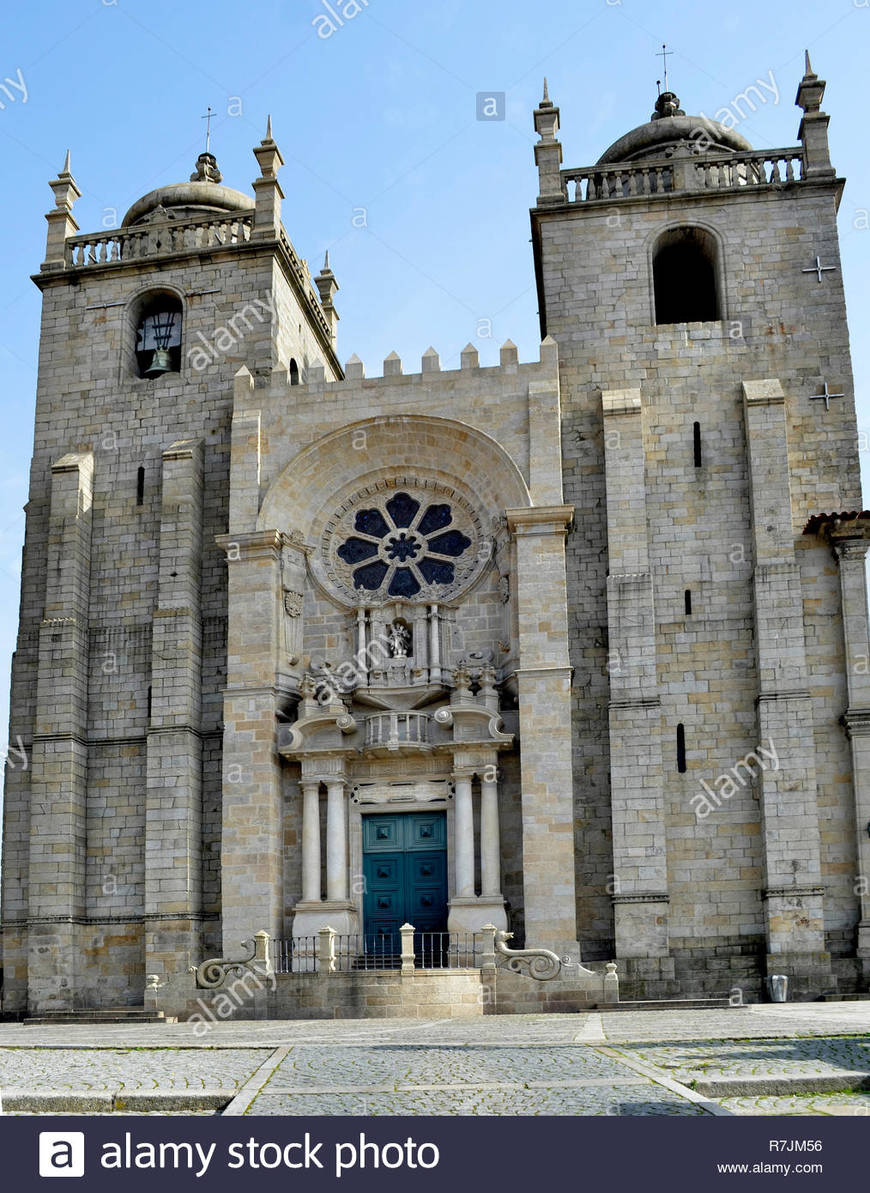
(670,127)
(183,200)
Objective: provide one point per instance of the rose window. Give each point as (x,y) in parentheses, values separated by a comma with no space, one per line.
(404,547)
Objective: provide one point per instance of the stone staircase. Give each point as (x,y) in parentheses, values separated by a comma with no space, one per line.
(130,1015)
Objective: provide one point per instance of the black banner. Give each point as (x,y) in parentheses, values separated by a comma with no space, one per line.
(463,1153)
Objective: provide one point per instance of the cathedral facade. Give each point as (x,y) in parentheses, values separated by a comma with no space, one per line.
(575,647)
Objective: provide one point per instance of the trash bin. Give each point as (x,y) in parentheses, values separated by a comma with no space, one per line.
(778,984)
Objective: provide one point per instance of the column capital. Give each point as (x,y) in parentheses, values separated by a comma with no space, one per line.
(316,769)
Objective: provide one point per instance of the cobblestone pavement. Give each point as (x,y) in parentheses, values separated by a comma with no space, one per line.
(131,1069)
(628,1100)
(764,1020)
(718,1059)
(612,1063)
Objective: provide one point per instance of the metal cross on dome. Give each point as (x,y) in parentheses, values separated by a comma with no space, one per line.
(208,117)
(664,53)
(825,396)
(819,269)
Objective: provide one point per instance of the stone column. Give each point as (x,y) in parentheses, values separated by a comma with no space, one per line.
(850,551)
(310,841)
(490,841)
(789,804)
(59,766)
(463,829)
(252,864)
(336,841)
(361,641)
(173,804)
(640,908)
(544,686)
(434,645)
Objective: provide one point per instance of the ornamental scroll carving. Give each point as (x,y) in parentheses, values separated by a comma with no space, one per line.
(540,964)
(212,973)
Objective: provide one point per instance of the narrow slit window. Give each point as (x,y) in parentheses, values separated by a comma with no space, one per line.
(696,443)
(140,487)
(687,600)
(681,749)
(294,372)
(150,691)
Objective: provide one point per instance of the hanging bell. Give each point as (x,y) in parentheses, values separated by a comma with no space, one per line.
(161,362)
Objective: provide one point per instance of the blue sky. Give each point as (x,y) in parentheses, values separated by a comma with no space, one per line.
(424,208)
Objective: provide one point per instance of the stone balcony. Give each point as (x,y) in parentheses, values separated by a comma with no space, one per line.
(393,731)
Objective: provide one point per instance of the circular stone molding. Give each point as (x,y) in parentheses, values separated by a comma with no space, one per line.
(402,539)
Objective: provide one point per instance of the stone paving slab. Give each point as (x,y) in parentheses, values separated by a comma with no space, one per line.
(394,1065)
(628,1100)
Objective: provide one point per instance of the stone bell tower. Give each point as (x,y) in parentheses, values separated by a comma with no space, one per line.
(112,833)
(693,287)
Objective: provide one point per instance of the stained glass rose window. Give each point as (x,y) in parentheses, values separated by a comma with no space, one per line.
(405,546)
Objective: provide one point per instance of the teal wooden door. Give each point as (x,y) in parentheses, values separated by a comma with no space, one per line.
(405,871)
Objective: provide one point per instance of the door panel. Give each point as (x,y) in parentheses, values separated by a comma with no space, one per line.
(405,869)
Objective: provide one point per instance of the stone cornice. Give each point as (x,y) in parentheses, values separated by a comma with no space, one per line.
(765,392)
(642,897)
(856,722)
(540,519)
(792,892)
(620,401)
(253,544)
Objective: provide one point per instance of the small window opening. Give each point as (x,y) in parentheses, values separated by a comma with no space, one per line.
(158,337)
(294,372)
(696,441)
(687,601)
(681,749)
(140,487)
(149,703)
(684,277)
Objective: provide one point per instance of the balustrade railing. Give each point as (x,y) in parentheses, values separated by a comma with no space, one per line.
(171,236)
(394,729)
(759,168)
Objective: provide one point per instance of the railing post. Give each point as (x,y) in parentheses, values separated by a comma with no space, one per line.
(326,950)
(487,955)
(611,983)
(407,932)
(262,940)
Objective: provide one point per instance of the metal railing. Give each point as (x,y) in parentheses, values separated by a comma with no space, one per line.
(296,955)
(335,952)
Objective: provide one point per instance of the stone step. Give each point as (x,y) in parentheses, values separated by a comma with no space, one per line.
(98,1015)
(667,1004)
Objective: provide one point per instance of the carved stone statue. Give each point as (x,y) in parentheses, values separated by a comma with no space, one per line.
(400,640)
